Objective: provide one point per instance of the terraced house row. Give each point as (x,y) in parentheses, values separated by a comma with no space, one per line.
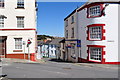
(91,34)
(17,27)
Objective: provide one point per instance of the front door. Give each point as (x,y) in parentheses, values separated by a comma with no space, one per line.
(2,46)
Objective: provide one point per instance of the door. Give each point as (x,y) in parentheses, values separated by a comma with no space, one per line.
(2,46)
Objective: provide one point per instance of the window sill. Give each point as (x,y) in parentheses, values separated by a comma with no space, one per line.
(20,8)
(94,40)
(94,16)
(17,50)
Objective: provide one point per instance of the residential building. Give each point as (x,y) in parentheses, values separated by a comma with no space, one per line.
(93,34)
(54,48)
(71,36)
(49,49)
(17,27)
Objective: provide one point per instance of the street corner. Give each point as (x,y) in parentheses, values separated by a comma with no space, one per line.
(40,61)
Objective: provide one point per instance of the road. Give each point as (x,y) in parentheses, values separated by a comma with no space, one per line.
(51,69)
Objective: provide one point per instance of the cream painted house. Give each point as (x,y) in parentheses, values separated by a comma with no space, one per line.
(91,33)
(17,25)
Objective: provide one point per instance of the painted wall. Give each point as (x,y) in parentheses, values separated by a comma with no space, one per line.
(69,52)
(11,11)
(111,26)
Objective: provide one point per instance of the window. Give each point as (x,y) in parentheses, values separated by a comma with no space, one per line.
(1,22)
(20,22)
(94,11)
(72,33)
(66,23)
(66,33)
(18,43)
(20,3)
(95,53)
(95,32)
(51,46)
(72,19)
(1,3)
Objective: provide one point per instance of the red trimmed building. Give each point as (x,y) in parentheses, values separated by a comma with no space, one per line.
(17,27)
(91,33)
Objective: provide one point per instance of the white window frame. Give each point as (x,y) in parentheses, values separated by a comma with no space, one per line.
(95,54)
(95,33)
(2,3)
(94,11)
(1,22)
(18,43)
(20,22)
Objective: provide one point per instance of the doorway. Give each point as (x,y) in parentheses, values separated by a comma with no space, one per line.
(3,46)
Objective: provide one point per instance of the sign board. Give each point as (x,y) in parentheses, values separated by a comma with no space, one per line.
(78,43)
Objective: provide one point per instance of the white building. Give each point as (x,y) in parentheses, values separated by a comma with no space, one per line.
(17,25)
(91,33)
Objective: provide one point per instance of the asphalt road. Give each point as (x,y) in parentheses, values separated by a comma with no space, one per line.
(52,69)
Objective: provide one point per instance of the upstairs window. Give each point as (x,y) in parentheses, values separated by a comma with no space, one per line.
(1,3)
(20,22)
(72,33)
(20,3)
(18,43)
(66,23)
(96,32)
(72,19)
(1,22)
(66,33)
(94,11)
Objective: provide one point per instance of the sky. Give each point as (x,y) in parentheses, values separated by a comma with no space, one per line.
(50,17)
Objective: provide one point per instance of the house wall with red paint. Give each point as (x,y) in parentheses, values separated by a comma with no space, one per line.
(18,25)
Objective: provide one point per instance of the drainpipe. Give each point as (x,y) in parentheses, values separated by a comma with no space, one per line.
(77,32)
